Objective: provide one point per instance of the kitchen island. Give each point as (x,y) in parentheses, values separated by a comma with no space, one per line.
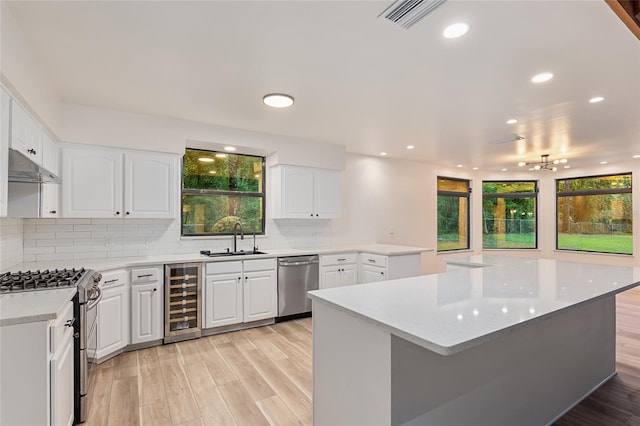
(505,340)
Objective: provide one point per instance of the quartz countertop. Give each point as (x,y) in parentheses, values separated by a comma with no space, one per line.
(33,306)
(453,311)
(101,265)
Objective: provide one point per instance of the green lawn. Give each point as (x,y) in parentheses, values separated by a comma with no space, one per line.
(582,242)
(596,242)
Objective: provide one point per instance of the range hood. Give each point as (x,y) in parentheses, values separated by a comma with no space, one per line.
(22,169)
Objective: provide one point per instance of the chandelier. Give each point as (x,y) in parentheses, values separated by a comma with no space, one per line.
(543,164)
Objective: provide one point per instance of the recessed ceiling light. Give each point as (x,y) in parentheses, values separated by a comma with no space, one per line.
(206,159)
(278,100)
(567,167)
(604,162)
(596,99)
(459,165)
(512,121)
(456,30)
(230,148)
(504,170)
(542,77)
(475,168)
(383,153)
(522,163)
(636,156)
(410,146)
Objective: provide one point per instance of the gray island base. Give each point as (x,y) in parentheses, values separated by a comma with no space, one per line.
(483,346)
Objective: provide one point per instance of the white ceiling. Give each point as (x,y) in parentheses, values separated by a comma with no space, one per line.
(359,81)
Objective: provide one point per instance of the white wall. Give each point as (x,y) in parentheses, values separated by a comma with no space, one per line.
(24,76)
(97,126)
(11,234)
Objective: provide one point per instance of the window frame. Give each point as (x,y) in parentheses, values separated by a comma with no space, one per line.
(190,191)
(588,193)
(533,194)
(466,195)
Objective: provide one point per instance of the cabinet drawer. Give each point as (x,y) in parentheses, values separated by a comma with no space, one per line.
(59,329)
(338,259)
(374,259)
(113,279)
(144,275)
(224,267)
(259,265)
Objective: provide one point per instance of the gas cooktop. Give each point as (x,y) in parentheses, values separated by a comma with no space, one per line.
(40,280)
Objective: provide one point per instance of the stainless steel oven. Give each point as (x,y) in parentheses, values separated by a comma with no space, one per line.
(89,295)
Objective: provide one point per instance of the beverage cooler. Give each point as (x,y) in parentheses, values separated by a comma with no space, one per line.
(183,283)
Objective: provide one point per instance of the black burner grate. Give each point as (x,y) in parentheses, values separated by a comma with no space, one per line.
(40,280)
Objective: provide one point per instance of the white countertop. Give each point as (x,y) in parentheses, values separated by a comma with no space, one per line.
(453,311)
(33,306)
(101,265)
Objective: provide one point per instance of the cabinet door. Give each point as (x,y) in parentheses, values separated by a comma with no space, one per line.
(223,304)
(62,385)
(373,274)
(92,183)
(50,157)
(146,312)
(20,128)
(260,295)
(34,141)
(150,185)
(49,200)
(5,119)
(113,323)
(297,192)
(329,277)
(326,193)
(348,275)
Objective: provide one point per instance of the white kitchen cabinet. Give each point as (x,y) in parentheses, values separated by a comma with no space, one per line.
(260,295)
(26,133)
(49,200)
(223,304)
(372,274)
(305,193)
(5,120)
(240,291)
(338,270)
(113,314)
(111,183)
(147,305)
(37,365)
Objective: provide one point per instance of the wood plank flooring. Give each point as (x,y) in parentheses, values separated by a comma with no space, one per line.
(262,376)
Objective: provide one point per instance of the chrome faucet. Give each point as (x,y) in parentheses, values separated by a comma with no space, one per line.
(235,235)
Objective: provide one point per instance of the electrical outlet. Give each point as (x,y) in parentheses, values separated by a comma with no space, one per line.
(148,240)
(108,242)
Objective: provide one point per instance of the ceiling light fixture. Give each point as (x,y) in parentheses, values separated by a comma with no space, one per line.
(475,168)
(636,156)
(278,100)
(542,77)
(544,163)
(230,148)
(504,170)
(456,30)
(512,121)
(206,159)
(383,153)
(410,146)
(604,162)
(459,165)
(596,99)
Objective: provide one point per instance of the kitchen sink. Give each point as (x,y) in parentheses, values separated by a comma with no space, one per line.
(229,253)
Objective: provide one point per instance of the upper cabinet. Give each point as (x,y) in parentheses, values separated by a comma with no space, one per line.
(5,119)
(100,182)
(26,134)
(305,193)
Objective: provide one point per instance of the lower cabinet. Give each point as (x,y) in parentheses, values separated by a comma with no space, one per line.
(338,270)
(62,384)
(372,274)
(147,305)
(240,291)
(113,314)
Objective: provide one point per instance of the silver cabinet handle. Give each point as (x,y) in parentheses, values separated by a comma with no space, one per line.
(341,260)
(372,260)
(115,280)
(145,276)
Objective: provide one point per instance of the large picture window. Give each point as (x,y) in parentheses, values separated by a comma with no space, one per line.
(509,215)
(595,214)
(220,189)
(453,214)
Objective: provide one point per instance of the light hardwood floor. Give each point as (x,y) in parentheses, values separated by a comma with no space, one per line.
(263,376)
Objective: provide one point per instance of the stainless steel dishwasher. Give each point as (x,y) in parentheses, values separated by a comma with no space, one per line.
(296,276)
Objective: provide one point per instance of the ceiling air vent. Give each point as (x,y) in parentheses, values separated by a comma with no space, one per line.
(406,13)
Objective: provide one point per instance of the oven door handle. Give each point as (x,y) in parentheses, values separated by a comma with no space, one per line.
(91,303)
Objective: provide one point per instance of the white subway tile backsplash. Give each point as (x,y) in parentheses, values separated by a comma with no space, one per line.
(28,258)
(39,250)
(54,243)
(73,249)
(73,235)
(39,235)
(90,227)
(53,228)
(57,256)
